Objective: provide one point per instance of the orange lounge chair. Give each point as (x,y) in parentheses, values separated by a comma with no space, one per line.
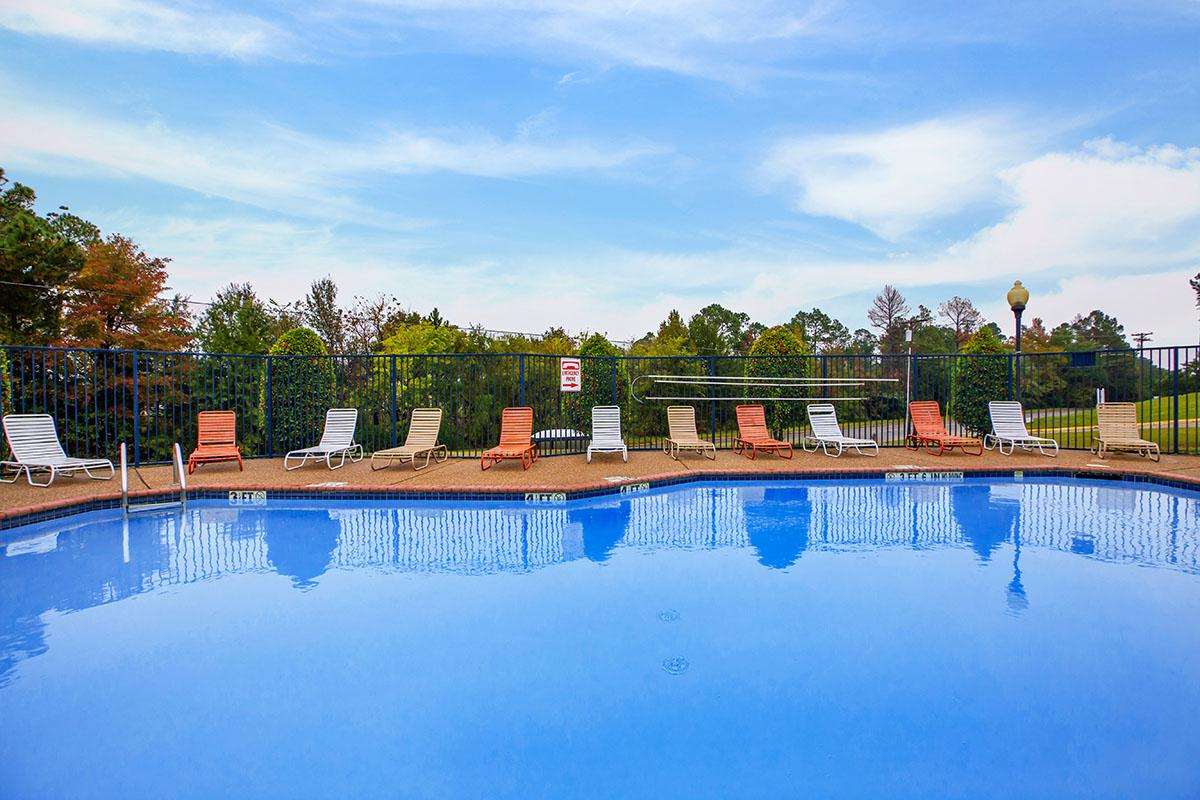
(929,430)
(216,440)
(516,439)
(754,436)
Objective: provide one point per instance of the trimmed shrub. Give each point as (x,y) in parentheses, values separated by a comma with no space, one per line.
(597,384)
(5,384)
(978,379)
(297,390)
(784,356)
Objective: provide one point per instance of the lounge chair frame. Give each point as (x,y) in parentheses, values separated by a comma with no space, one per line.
(422,440)
(1008,429)
(682,435)
(337,439)
(35,447)
(516,439)
(930,430)
(606,432)
(753,435)
(216,440)
(1117,431)
(827,433)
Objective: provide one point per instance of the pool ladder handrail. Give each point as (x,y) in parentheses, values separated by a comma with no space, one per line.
(178,472)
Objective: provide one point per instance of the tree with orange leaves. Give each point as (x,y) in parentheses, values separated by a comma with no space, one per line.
(115,301)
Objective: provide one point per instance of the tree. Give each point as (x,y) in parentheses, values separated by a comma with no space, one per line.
(603,373)
(783,355)
(296,391)
(672,339)
(1194,282)
(372,320)
(425,337)
(963,316)
(822,332)
(715,330)
(888,307)
(39,256)
(115,302)
(324,315)
(1098,331)
(236,322)
(978,379)
(862,342)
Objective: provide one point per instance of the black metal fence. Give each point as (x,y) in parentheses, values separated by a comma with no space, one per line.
(150,399)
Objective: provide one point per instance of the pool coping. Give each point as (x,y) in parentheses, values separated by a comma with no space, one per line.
(251,494)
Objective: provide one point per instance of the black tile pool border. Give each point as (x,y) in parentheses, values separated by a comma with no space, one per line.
(85,505)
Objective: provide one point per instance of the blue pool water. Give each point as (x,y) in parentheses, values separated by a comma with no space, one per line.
(976,639)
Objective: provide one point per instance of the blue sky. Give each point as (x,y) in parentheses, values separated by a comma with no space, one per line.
(530,163)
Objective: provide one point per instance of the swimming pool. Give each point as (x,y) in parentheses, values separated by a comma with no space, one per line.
(978,638)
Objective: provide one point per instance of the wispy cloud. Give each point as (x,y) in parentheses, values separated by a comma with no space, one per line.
(733,42)
(278,168)
(895,180)
(180,27)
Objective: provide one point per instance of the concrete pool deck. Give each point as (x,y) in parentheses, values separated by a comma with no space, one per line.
(556,474)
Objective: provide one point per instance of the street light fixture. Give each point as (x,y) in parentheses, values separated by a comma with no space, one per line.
(1018,298)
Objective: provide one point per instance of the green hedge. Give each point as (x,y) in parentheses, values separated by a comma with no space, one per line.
(978,380)
(784,357)
(296,392)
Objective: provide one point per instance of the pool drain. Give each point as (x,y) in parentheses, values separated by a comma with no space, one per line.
(676,665)
(669,615)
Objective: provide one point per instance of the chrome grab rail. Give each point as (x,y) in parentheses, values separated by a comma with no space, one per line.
(178,473)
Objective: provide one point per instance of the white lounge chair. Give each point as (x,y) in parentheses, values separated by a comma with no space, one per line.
(34,444)
(336,440)
(606,432)
(1008,429)
(827,433)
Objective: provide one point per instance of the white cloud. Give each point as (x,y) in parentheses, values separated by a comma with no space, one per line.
(180,27)
(276,168)
(1109,206)
(707,38)
(899,179)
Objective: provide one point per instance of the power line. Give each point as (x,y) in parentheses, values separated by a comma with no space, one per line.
(1141,338)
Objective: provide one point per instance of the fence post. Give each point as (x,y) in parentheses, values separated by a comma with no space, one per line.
(392,392)
(1175,393)
(613,360)
(270,407)
(521,379)
(137,451)
(712,371)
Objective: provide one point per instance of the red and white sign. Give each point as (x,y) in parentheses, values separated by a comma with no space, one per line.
(570,375)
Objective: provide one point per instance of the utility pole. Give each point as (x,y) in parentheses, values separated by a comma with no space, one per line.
(1141,339)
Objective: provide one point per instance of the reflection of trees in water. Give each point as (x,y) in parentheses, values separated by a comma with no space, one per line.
(777,525)
(81,567)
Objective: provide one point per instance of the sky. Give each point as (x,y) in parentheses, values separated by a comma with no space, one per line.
(527,163)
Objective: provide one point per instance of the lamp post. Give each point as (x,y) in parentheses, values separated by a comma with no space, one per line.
(1018,297)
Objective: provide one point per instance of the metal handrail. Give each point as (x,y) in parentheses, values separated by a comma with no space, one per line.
(179,474)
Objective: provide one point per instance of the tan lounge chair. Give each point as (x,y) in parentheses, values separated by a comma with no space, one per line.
(1117,432)
(422,440)
(681,423)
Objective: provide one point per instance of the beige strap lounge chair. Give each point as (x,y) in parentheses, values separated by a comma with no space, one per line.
(422,440)
(1117,432)
(681,423)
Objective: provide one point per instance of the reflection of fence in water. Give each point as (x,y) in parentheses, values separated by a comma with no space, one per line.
(215,542)
(1113,523)
(699,519)
(454,540)
(1108,523)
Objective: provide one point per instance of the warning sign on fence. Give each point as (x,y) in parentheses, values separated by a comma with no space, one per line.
(570,375)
